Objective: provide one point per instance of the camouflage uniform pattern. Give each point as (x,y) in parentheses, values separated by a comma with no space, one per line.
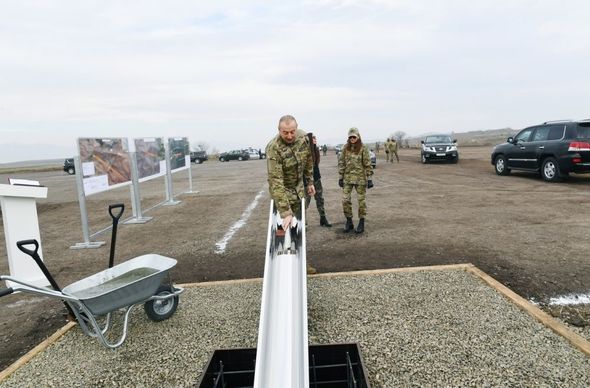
(386,146)
(288,165)
(319,198)
(393,150)
(355,169)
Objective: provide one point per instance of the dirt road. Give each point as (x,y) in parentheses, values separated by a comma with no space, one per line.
(530,235)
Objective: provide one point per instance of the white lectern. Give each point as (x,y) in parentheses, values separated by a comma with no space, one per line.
(19,215)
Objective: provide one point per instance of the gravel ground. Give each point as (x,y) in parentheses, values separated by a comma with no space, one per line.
(428,328)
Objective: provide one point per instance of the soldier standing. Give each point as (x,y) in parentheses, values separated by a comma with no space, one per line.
(317,182)
(354,168)
(393,150)
(288,160)
(386,146)
(324,149)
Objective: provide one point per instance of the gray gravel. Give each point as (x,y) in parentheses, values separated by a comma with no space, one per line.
(431,328)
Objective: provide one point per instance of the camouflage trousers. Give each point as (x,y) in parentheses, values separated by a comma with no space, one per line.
(361,193)
(396,157)
(387,156)
(319,198)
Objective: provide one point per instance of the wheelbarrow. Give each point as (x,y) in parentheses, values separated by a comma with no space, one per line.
(141,280)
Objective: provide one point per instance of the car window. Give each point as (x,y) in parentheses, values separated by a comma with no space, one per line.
(583,131)
(540,134)
(524,135)
(437,139)
(555,132)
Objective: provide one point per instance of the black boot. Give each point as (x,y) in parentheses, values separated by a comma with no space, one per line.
(349,227)
(324,222)
(361,226)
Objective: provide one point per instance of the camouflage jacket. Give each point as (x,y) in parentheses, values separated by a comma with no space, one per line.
(355,168)
(288,165)
(393,146)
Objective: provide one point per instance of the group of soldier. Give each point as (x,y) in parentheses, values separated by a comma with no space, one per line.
(293,158)
(391,147)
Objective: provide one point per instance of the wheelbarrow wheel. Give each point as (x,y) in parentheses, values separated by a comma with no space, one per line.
(159,310)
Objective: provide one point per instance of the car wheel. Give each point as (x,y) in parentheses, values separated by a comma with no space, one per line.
(550,170)
(222,159)
(423,158)
(455,159)
(71,171)
(501,165)
(240,158)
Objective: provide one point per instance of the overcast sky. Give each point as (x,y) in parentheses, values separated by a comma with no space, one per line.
(223,72)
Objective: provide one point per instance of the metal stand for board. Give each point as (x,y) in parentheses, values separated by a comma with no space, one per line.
(87,244)
(170,201)
(138,217)
(190,179)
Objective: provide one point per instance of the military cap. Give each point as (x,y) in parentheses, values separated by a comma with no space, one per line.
(354,132)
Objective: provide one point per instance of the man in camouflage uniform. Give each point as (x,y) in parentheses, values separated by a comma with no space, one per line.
(386,146)
(393,150)
(288,160)
(354,168)
(317,183)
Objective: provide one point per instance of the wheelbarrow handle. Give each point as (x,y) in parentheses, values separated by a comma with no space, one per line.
(21,245)
(116,206)
(6,291)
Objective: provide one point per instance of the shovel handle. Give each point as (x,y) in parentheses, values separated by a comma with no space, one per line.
(116,206)
(6,291)
(21,245)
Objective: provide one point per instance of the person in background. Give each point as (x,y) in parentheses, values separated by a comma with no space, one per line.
(393,150)
(317,181)
(355,171)
(386,146)
(289,164)
(324,149)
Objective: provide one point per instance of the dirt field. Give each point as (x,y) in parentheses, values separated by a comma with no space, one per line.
(530,235)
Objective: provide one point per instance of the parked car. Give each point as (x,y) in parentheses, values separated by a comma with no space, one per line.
(199,157)
(554,149)
(256,153)
(338,148)
(439,147)
(234,155)
(69,166)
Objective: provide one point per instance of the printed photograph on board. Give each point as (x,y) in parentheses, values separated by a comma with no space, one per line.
(105,157)
(179,149)
(149,153)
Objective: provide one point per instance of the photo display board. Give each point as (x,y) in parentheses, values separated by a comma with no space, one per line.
(105,164)
(151,158)
(179,153)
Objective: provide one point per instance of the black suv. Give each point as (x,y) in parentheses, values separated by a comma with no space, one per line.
(553,149)
(69,166)
(234,155)
(439,147)
(199,157)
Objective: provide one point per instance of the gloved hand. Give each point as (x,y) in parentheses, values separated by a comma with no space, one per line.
(369,184)
(341,182)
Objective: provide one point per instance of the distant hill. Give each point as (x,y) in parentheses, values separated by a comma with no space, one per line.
(10,153)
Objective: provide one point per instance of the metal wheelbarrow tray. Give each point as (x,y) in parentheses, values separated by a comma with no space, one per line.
(125,284)
(141,280)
